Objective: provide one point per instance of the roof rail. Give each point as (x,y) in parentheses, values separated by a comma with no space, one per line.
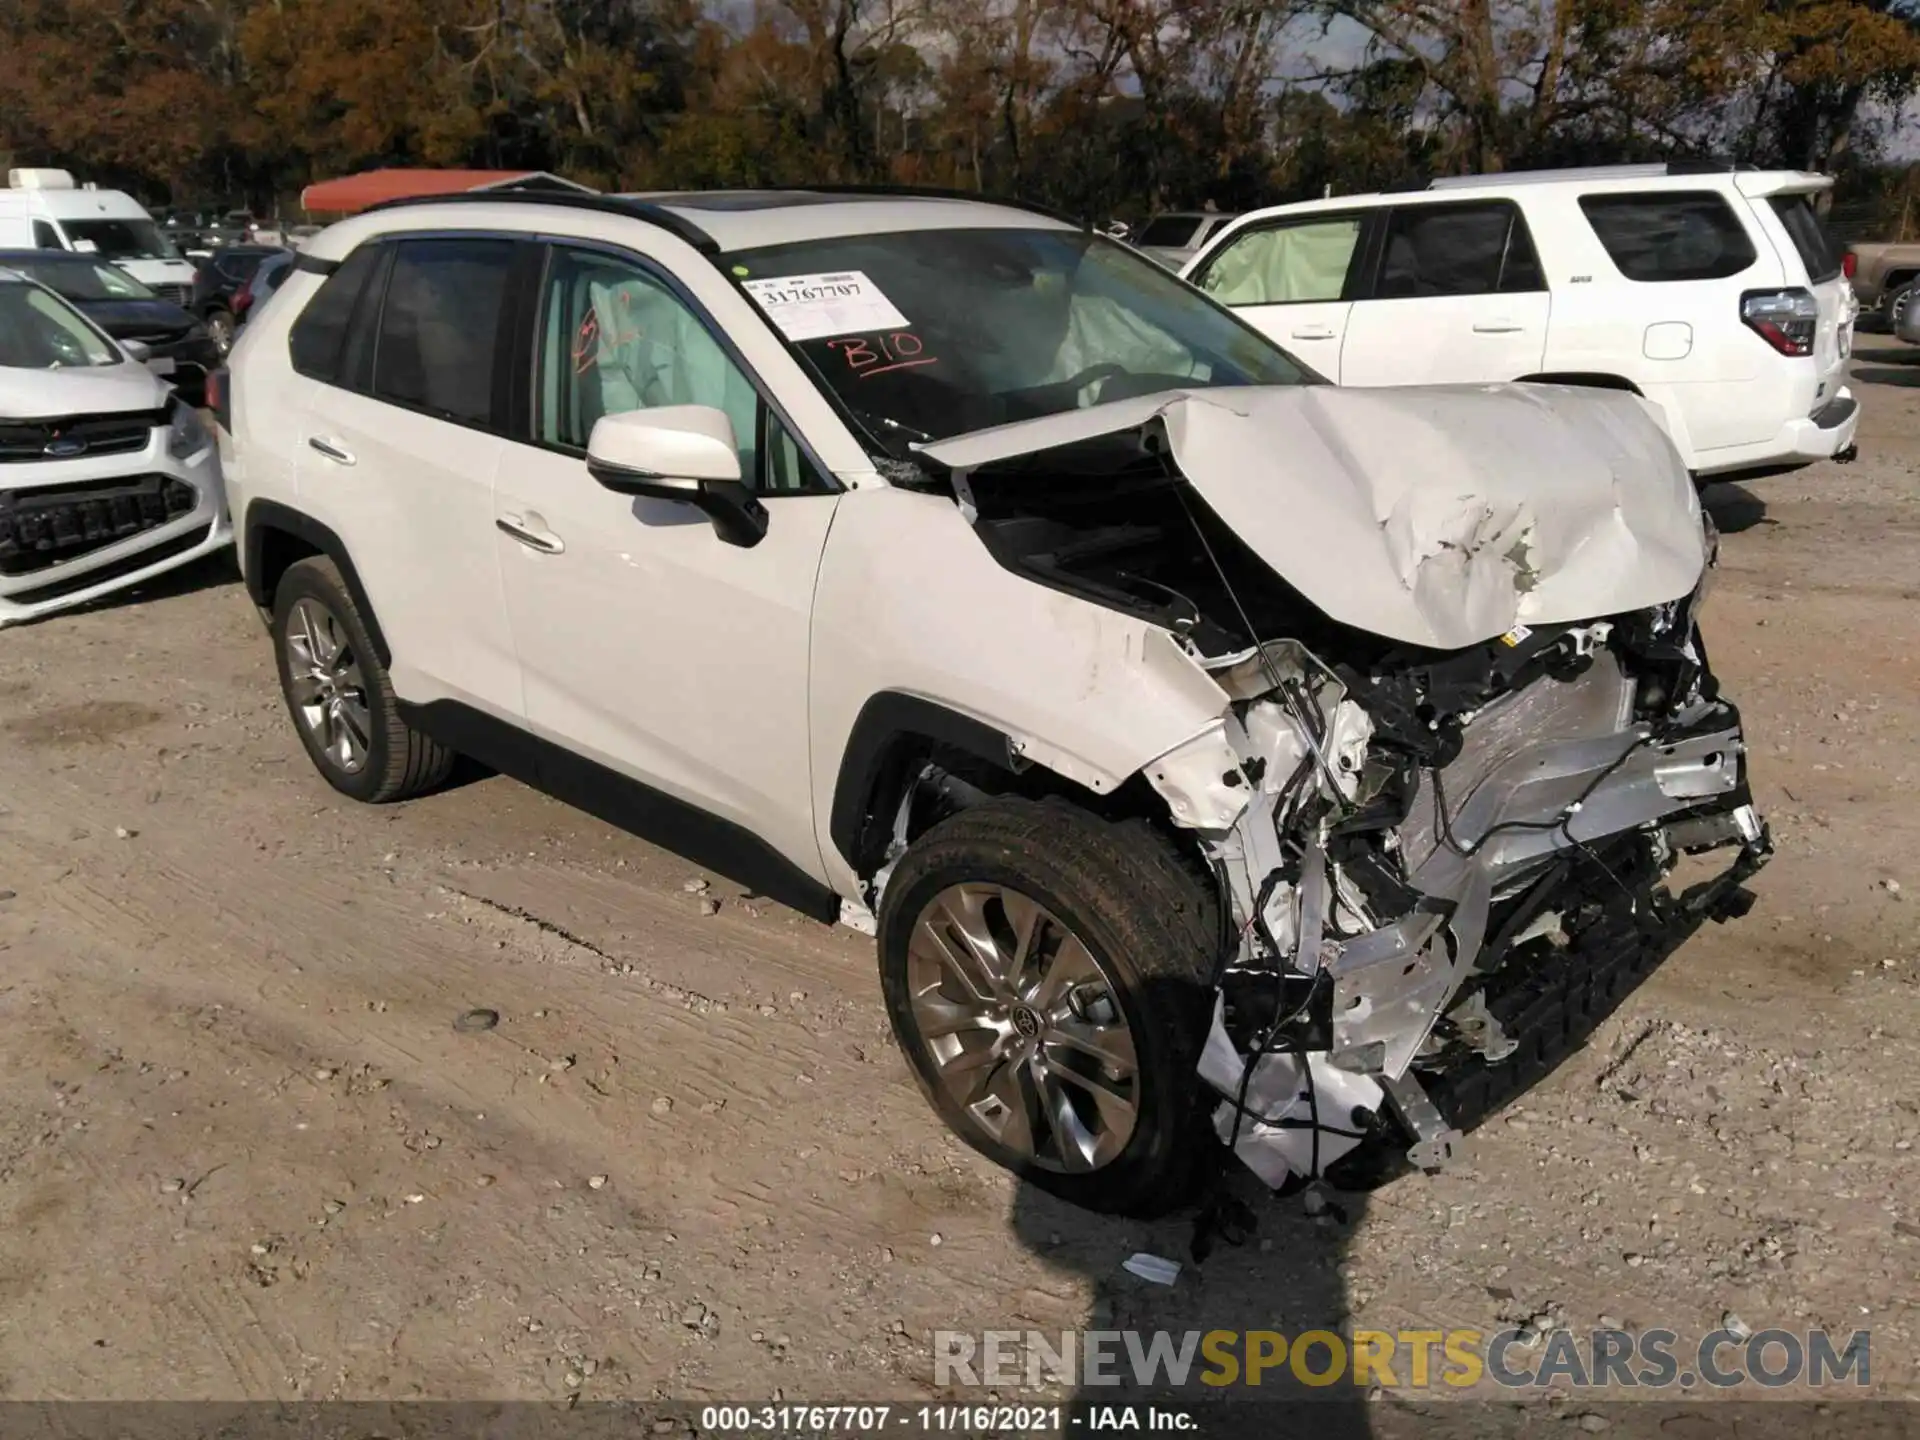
(931,192)
(603,204)
(1648,171)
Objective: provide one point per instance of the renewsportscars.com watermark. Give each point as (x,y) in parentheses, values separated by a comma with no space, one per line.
(1456,1359)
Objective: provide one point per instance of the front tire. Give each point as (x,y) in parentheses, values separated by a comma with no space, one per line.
(1049,977)
(339,695)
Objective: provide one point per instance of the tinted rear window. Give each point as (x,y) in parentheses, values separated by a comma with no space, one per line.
(1472,249)
(1809,235)
(439,325)
(1669,235)
(237,267)
(316,336)
(1172,231)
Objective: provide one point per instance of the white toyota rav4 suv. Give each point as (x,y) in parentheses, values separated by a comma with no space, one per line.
(1227,761)
(1715,293)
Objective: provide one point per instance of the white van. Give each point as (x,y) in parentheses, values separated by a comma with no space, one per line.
(45,210)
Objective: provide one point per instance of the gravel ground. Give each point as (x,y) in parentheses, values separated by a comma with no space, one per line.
(246,1153)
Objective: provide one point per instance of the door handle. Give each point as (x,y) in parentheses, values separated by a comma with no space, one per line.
(332,451)
(1498,327)
(1314,332)
(545,541)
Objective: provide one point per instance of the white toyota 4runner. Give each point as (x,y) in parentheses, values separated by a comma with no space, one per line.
(1227,761)
(1715,293)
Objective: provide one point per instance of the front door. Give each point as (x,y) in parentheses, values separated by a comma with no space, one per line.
(647,643)
(1292,280)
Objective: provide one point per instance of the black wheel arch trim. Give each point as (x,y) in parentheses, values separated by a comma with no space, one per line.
(1591,379)
(888,719)
(264,516)
(631,805)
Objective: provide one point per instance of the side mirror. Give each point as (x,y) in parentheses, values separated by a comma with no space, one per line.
(684,453)
(138,351)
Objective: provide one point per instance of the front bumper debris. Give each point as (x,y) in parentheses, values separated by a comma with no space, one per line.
(1434,911)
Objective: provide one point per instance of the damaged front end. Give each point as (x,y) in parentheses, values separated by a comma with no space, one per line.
(1434,861)
(1473,778)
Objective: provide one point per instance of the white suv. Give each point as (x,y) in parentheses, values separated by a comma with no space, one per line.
(1219,755)
(1714,293)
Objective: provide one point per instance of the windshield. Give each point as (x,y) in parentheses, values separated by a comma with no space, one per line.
(39,331)
(935,333)
(84,280)
(120,239)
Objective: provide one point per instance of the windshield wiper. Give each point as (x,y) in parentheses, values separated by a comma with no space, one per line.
(874,416)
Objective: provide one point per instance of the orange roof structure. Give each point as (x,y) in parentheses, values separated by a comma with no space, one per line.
(350,194)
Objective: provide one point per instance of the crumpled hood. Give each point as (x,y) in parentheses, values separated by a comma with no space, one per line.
(1436,515)
(79,390)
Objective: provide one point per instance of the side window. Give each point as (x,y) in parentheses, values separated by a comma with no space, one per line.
(315,340)
(1284,264)
(45,237)
(440,324)
(615,338)
(785,468)
(1809,235)
(1476,249)
(1670,235)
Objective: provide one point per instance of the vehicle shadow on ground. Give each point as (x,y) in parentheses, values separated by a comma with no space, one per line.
(1734,507)
(1284,1277)
(1907,372)
(209,572)
(1287,1275)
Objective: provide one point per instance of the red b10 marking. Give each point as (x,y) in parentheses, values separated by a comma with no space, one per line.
(900,350)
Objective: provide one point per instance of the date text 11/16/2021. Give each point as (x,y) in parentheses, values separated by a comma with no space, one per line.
(966,1419)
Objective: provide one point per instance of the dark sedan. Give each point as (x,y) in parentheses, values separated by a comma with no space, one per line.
(178,346)
(219,280)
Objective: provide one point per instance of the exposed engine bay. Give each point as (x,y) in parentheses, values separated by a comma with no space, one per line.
(1418,849)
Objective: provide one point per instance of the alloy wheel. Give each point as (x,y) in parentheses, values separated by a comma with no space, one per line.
(325,683)
(220,330)
(1024,1027)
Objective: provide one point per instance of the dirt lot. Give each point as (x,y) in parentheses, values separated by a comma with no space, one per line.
(244,1151)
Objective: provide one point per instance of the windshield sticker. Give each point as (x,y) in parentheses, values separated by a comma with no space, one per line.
(812,307)
(876,355)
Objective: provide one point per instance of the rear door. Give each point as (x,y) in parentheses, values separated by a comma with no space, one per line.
(1292,278)
(398,451)
(1458,296)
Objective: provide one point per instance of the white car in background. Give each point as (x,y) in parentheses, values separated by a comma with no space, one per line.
(107,478)
(1715,293)
(1175,236)
(48,210)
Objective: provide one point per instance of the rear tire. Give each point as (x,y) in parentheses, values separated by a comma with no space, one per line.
(338,693)
(1897,303)
(1079,1070)
(221,329)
